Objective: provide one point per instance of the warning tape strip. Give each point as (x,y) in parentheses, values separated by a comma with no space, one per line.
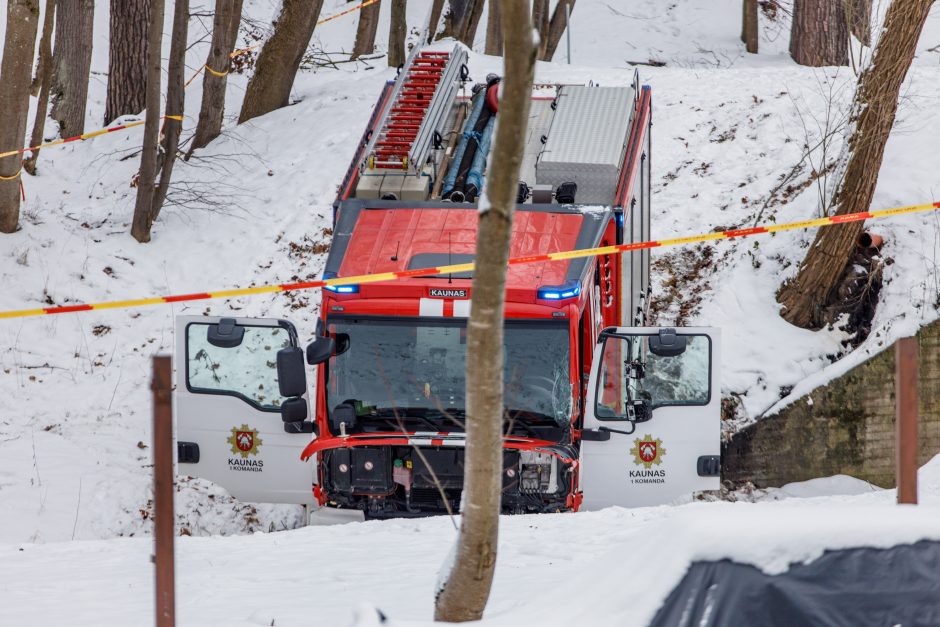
(242,51)
(467,267)
(103,131)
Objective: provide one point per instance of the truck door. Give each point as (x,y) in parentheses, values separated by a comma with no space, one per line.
(652,418)
(232,418)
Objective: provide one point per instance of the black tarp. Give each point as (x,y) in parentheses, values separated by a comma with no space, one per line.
(850,587)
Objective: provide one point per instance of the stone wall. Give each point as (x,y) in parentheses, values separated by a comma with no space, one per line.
(846,427)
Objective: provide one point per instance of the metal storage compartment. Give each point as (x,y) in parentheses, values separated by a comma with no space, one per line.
(587,140)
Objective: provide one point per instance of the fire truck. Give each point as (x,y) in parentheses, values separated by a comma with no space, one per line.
(369,420)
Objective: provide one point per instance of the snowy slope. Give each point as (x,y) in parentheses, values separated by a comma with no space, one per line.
(74,397)
(612,567)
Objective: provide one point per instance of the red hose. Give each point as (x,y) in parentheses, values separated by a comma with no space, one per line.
(492,97)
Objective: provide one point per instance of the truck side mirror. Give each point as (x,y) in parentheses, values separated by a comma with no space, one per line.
(225,334)
(291,378)
(342,343)
(320,349)
(640,410)
(294,410)
(667,344)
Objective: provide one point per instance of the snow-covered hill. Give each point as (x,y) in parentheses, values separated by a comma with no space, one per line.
(728,127)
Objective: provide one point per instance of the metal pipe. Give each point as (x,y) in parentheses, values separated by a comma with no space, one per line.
(906,408)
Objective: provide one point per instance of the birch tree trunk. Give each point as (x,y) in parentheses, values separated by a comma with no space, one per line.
(365,31)
(819,34)
(466,588)
(873,111)
(494,32)
(16,77)
(228,17)
(175,105)
(75,21)
(127,58)
(42,80)
(269,87)
(140,227)
(556,28)
(397,30)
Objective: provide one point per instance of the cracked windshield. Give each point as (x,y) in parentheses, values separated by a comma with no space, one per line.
(394,367)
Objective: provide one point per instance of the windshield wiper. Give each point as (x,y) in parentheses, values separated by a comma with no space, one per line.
(411,413)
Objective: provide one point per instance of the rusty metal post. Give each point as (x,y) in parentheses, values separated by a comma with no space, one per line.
(906,404)
(164,518)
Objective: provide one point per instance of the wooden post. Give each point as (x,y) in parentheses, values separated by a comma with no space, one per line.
(163,517)
(906,403)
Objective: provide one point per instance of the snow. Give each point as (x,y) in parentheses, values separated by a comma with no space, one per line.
(74,390)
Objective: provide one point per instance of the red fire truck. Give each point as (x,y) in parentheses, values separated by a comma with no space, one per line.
(599,409)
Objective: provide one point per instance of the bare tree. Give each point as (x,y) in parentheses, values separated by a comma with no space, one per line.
(74,27)
(269,87)
(398,28)
(466,586)
(819,34)
(15,76)
(461,20)
(143,219)
(434,20)
(541,20)
(365,31)
(175,104)
(556,28)
(494,32)
(127,58)
(43,82)
(858,14)
(225,23)
(749,26)
(871,119)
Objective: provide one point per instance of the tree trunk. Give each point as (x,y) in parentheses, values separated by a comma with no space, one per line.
(872,117)
(858,14)
(127,58)
(73,36)
(819,34)
(15,76)
(140,228)
(541,22)
(175,105)
(365,32)
(749,28)
(461,20)
(556,29)
(466,587)
(494,32)
(435,28)
(228,17)
(43,80)
(397,30)
(269,87)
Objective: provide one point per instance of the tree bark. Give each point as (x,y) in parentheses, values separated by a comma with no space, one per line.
(365,31)
(42,80)
(175,105)
(819,34)
(872,117)
(435,28)
(140,227)
(461,20)
(127,58)
(494,32)
(466,589)
(15,76)
(72,58)
(749,28)
(228,16)
(858,14)
(556,29)
(269,87)
(397,30)
(541,21)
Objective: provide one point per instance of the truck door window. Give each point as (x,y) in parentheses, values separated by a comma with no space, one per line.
(629,371)
(247,371)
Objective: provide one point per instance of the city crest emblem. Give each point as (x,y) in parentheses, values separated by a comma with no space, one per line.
(647,451)
(244,441)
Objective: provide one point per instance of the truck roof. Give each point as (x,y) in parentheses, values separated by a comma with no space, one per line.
(375,236)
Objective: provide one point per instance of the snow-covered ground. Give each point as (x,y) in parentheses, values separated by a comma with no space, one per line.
(74,390)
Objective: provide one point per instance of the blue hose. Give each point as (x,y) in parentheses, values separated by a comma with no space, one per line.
(451,178)
(475,176)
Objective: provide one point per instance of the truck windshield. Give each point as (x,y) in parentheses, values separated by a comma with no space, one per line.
(409,367)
